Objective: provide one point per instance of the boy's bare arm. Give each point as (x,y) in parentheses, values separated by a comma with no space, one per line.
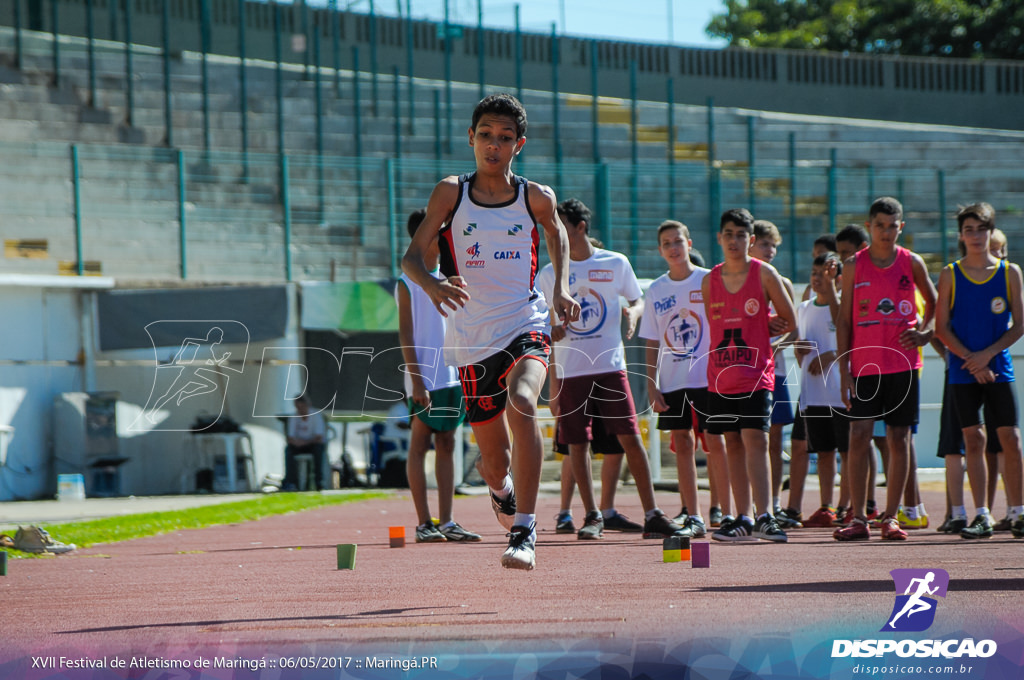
(406,338)
(442,293)
(844,328)
(918,337)
(544,204)
(653,354)
(772,283)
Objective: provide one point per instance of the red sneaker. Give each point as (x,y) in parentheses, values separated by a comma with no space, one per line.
(822,517)
(857,531)
(891,529)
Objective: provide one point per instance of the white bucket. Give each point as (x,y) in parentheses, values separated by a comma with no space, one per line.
(70,487)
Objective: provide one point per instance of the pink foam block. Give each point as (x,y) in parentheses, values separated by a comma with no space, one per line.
(700,556)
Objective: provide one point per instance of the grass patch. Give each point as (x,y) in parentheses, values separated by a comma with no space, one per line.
(126,527)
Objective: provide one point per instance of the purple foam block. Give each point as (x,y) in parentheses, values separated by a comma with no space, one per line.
(700,556)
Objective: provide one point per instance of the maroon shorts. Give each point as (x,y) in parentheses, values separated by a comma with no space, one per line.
(606,396)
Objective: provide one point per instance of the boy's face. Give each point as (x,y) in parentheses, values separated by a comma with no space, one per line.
(845,250)
(735,241)
(764,249)
(885,230)
(975,235)
(674,246)
(494,142)
(818,278)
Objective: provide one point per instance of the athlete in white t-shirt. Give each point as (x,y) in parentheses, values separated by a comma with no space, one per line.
(678,341)
(589,377)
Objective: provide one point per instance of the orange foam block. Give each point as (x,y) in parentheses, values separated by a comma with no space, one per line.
(397,536)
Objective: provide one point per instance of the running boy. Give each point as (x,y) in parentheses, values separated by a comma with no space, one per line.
(878,335)
(497,320)
(979,317)
(436,406)
(741,372)
(589,377)
(676,329)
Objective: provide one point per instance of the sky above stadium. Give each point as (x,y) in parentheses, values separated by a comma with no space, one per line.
(679,22)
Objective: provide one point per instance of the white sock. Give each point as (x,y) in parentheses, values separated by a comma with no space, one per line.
(524,520)
(911,513)
(565,512)
(1015,512)
(610,512)
(447,524)
(920,510)
(959,512)
(776,505)
(505,490)
(983,511)
(652,513)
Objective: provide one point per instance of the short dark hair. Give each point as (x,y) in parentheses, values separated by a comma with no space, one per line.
(741,217)
(502,104)
(983,212)
(886,205)
(575,210)
(825,258)
(852,233)
(766,229)
(415,219)
(673,224)
(827,240)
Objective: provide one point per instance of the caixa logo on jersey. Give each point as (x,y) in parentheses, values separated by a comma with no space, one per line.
(914,611)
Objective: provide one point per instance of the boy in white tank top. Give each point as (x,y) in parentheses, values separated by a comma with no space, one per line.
(497,320)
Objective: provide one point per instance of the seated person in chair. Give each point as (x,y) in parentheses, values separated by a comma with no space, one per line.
(306,435)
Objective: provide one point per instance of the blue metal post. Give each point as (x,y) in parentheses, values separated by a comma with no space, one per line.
(519,55)
(90,49)
(112,18)
(129,67)
(392,218)
(304,13)
(871,184)
(634,187)
(204,38)
(357,104)
(319,108)
(286,208)
(751,170)
(410,63)
(17,34)
(670,97)
(335,17)
(279,85)
(76,183)
(448,76)
(397,114)
(555,99)
(437,126)
(595,108)
(243,85)
(480,46)
(711,131)
(182,215)
(792,203)
(943,233)
(832,197)
(166,31)
(604,200)
(54,16)
(374,64)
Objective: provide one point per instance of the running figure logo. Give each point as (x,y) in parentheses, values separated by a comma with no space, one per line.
(914,610)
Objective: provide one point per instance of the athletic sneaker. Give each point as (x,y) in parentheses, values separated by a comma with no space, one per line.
(955,525)
(823,517)
(504,510)
(680,519)
(661,526)
(767,529)
(736,530)
(35,539)
(521,552)
(619,522)
(841,515)
(891,530)
(715,516)
(857,531)
(593,527)
(563,524)
(981,527)
(873,512)
(694,527)
(1017,528)
(428,533)
(455,532)
(789,519)
(1003,525)
(919,522)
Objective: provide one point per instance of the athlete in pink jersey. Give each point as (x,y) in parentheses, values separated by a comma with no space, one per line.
(741,372)
(878,335)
